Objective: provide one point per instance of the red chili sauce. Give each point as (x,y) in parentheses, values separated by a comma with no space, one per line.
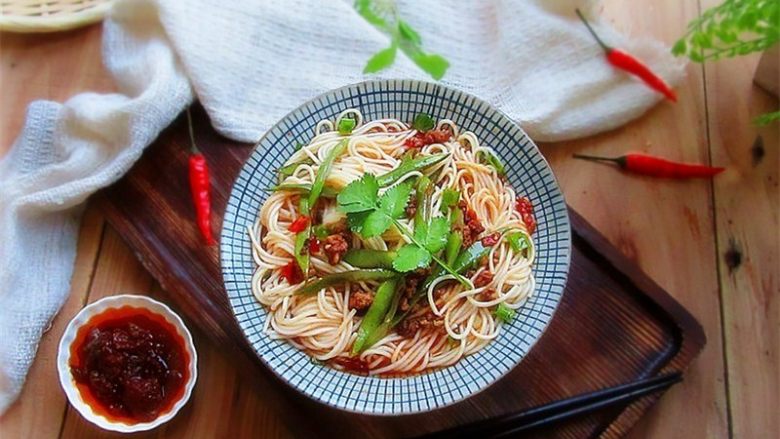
(130,364)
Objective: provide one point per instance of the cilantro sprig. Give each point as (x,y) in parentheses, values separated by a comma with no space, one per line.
(735,27)
(429,238)
(383,14)
(370,214)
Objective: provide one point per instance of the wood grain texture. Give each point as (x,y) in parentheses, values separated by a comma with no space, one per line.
(39,413)
(607,330)
(50,67)
(666,227)
(220,386)
(747,206)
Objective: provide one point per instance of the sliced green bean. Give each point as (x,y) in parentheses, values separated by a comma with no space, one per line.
(375,314)
(454,242)
(409,165)
(369,258)
(288,170)
(303,189)
(324,170)
(343,277)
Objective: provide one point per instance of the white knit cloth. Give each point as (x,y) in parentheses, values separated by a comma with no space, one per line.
(251,62)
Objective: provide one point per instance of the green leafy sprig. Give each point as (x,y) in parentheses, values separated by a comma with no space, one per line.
(736,27)
(370,214)
(767,118)
(383,14)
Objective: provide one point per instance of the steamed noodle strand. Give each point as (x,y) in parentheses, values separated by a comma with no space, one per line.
(323,325)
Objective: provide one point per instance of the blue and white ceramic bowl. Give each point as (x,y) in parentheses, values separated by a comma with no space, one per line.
(527,171)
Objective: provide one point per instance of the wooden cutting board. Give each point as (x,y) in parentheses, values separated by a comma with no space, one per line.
(614,324)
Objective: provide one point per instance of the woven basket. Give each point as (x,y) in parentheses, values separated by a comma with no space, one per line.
(50,15)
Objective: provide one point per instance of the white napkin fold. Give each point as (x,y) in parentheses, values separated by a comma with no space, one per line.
(251,62)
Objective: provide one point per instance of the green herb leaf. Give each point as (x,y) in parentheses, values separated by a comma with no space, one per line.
(734,27)
(375,224)
(393,201)
(366,11)
(423,122)
(520,242)
(494,161)
(384,16)
(434,65)
(381,60)
(408,33)
(355,220)
(505,313)
(360,195)
(679,47)
(449,199)
(433,235)
(767,118)
(411,257)
(346,125)
(320,231)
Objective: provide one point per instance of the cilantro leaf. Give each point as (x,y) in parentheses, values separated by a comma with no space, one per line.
(381,60)
(493,160)
(355,220)
(437,234)
(434,65)
(408,33)
(411,257)
(366,10)
(423,122)
(375,224)
(384,16)
(360,195)
(433,235)
(393,201)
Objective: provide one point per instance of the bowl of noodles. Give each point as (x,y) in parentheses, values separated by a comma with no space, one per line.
(394,247)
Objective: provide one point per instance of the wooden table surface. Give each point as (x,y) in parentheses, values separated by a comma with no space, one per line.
(712,245)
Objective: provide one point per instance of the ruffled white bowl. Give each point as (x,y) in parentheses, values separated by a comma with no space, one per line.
(69,384)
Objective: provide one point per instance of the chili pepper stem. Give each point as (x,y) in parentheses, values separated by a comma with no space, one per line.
(593,158)
(193,147)
(593,32)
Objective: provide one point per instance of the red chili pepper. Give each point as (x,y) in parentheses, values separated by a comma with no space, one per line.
(526,210)
(299,225)
(292,272)
(314,245)
(200,188)
(626,62)
(656,167)
(424,139)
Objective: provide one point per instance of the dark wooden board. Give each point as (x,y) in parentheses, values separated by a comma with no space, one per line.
(613,325)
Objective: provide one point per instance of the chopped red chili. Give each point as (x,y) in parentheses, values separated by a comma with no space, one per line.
(420,140)
(292,273)
(299,225)
(314,245)
(526,210)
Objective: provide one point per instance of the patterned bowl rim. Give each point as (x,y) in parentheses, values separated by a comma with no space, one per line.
(226,251)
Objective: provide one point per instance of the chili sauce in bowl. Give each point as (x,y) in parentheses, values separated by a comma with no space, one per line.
(127,363)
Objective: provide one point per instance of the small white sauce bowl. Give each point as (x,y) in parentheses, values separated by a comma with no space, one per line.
(68,383)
